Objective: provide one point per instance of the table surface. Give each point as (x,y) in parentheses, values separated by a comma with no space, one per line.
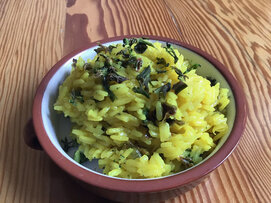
(34,35)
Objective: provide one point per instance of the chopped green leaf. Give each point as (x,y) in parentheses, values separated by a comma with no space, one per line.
(171,52)
(162,91)
(113,76)
(101,72)
(102,48)
(168,110)
(140,48)
(107,89)
(212,80)
(108,60)
(146,111)
(187,162)
(179,72)
(129,42)
(111,47)
(76,95)
(125,53)
(140,90)
(143,40)
(144,77)
(66,144)
(138,65)
(162,61)
(125,41)
(134,62)
(108,74)
(161,71)
(179,86)
(193,67)
(74,61)
(87,66)
(142,45)
(80,157)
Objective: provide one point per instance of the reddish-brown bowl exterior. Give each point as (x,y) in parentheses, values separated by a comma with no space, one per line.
(163,188)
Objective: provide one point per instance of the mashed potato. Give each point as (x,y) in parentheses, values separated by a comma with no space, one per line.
(141,109)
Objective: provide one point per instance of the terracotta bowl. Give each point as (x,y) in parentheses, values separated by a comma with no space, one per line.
(49,127)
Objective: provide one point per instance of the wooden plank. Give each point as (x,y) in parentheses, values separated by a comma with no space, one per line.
(31,39)
(92,20)
(232,32)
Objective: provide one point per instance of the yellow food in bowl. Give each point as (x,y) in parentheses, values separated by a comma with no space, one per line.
(141,109)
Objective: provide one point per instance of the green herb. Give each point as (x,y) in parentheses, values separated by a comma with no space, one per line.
(169,109)
(143,40)
(193,67)
(125,41)
(107,88)
(76,95)
(171,52)
(129,42)
(104,49)
(179,86)
(74,61)
(108,60)
(146,111)
(181,76)
(101,48)
(161,71)
(187,162)
(125,53)
(68,144)
(111,47)
(80,157)
(138,64)
(87,66)
(144,77)
(142,45)
(130,61)
(212,80)
(150,116)
(162,61)
(100,72)
(140,90)
(113,76)
(108,74)
(140,48)
(162,91)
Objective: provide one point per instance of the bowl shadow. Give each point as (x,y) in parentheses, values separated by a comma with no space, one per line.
(63,188)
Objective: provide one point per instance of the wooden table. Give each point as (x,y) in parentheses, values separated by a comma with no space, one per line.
(34,35)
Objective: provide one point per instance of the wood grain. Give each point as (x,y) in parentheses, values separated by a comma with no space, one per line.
(35,34)
(231,33)
(31,40)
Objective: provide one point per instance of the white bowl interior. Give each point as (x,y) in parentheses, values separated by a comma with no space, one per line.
(57,127)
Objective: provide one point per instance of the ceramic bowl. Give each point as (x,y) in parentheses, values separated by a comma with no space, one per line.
(50,126)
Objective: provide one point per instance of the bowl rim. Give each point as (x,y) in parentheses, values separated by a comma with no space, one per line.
(145,185)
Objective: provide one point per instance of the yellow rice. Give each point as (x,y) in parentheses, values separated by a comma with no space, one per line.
(113,131)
